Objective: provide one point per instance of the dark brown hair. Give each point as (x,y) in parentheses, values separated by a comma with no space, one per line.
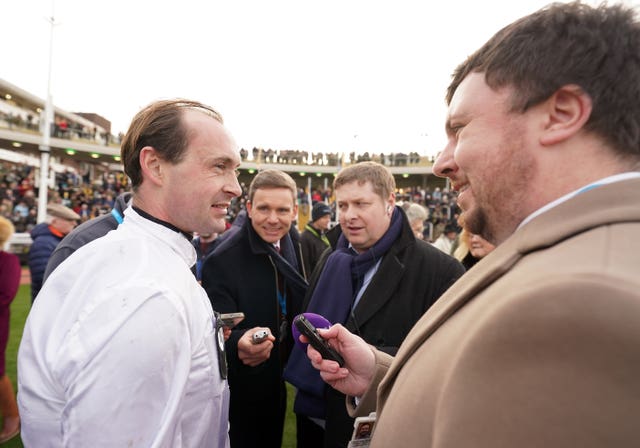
(596,48)
(160,126)
(271,178)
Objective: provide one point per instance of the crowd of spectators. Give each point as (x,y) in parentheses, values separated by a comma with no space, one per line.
(15,117)
(19,118)
(92,198)
(65,129)
(296,157)
(19,198)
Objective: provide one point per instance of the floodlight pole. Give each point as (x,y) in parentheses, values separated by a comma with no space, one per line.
(45,147)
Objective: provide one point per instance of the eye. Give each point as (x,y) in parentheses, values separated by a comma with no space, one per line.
(456,130)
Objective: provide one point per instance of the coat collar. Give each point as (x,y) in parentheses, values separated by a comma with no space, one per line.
(382,287)
(258,245)
(609,204)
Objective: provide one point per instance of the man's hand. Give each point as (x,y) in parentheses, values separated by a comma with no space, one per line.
(254,354)
(354,378)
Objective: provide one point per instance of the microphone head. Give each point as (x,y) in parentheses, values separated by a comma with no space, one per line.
(316,320)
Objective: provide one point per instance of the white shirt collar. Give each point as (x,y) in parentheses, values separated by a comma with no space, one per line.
(176,240)
(607,180)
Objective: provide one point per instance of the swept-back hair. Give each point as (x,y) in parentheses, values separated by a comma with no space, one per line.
(159,125)
(271,178)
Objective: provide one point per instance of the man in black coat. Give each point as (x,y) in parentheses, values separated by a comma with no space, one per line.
(258,271)
(377,280)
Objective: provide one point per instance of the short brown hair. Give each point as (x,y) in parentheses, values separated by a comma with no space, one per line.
(6,230)
(271,178)
(595,48)
(380,177)
(160,126)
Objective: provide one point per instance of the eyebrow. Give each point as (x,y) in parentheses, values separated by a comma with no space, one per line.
(358,199)
(454,118)
(225,160)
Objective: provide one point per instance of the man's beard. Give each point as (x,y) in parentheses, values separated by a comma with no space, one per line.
(476,222)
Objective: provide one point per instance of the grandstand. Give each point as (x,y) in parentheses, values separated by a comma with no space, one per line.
(83,142)
(85,172)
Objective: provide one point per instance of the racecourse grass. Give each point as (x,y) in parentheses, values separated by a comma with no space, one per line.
(19,310)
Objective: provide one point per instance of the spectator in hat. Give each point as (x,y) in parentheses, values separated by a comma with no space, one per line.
(46,236)
(445,241)
(313,240)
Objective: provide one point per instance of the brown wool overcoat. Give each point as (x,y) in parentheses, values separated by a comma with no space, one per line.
(537,346)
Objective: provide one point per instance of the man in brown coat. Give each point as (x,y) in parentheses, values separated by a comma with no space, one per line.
(538,345)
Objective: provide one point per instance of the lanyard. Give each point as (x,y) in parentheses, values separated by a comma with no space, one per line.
(116,214)
(282,298)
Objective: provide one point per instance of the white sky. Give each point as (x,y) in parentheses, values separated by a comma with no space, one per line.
(285,74)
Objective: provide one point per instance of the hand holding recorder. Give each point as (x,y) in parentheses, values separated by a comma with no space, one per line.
(354,375)
(306,328)
(255,345)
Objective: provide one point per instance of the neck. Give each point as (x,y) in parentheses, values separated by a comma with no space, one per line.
(162,222)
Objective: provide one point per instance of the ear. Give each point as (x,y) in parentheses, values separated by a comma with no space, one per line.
(151,165)
(249,208)
(391,203)
(568,109)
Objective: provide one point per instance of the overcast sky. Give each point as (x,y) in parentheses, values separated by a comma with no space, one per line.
(336,75)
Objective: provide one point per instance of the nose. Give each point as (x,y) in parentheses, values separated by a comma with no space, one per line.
(445,165)
(347,213)
(233,187)
(272,216)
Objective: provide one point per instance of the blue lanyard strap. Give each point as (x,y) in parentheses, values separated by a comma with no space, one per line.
(116,214)
(283,303)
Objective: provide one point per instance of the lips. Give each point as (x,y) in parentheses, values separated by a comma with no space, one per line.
(353,232)
(221,206)
(459,187)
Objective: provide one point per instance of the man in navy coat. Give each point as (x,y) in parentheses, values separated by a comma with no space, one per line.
(258,271)
(377,280)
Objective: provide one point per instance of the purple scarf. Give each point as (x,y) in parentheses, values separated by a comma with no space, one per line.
(333,296)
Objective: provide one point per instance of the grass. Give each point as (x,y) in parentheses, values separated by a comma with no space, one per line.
(19,310)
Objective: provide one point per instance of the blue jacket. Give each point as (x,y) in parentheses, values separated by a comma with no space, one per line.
(44,243)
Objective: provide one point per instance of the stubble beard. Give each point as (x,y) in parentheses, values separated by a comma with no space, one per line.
(499,204)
